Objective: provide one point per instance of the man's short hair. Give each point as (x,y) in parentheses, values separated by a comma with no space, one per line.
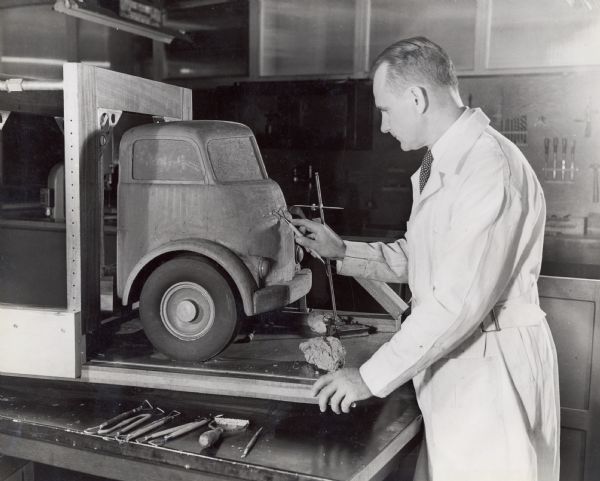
(419,61)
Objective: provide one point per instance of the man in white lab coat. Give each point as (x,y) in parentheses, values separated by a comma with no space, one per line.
(476,344)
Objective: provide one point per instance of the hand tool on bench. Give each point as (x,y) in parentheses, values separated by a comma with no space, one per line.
(163,437)
(563,163)
(128,424)
(546,156)
(555,157)
(148,427)
(252,442)
(119,420)
(219,427)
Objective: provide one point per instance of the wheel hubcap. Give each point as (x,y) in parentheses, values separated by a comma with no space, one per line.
(187,311)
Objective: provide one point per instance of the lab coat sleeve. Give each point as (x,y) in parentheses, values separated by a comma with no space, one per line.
(479,254)
(377,261)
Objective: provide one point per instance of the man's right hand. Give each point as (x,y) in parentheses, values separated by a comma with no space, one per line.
(320,238)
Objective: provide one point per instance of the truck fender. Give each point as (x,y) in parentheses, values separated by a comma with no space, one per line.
(223,256)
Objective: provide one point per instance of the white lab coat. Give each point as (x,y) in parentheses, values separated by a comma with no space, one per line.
(473,244)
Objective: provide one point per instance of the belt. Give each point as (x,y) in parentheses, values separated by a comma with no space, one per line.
(510,314)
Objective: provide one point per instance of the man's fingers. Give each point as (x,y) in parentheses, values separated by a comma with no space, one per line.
(335,400)
(305,242)
(320,384)
(303,223)
(324,396)
(347,403)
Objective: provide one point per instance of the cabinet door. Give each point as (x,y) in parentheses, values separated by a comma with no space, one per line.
(544,33)
(450,24)
(307,38)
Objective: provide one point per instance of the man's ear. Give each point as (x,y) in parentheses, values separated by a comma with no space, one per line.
(420,98)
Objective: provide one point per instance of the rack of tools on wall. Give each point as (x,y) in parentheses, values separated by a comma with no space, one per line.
(515,130)
(559,168)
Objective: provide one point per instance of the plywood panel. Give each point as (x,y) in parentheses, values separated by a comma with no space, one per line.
(32,269)
(134,94)
(40,342)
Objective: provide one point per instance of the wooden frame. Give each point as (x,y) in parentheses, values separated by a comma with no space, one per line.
(86,90)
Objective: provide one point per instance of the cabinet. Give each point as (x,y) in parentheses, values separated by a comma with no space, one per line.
(451,24)
(280,39)
(308,37)
(572,308)
(543,33)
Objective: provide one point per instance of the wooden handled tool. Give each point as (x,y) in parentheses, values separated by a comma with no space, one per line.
(546,156)
(555,158)
(210,438)
(177,431)
(152,426)
(218,427)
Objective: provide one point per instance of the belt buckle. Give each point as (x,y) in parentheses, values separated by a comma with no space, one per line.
(496,327)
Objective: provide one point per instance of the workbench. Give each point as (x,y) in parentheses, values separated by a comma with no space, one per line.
(44,420)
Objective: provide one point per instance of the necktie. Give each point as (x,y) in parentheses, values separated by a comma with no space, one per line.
(425,169)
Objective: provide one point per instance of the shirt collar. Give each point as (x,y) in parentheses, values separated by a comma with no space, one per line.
(451,147)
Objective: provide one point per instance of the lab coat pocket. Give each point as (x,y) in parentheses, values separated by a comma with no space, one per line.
(476,383)
(517,355)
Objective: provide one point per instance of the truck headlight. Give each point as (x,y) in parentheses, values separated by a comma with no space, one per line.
(264,267)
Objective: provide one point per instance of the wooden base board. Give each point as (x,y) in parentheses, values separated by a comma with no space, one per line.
(271,366)
(200,380)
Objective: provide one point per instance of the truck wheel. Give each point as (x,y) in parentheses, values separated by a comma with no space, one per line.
(188,310)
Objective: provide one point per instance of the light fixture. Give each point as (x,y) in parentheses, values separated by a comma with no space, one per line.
(79,9)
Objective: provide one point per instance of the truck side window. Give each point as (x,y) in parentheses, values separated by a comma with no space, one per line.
(165,159)
(234,159)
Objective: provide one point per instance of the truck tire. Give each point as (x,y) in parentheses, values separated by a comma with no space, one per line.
(188,309)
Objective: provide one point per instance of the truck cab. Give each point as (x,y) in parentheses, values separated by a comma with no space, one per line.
(200,243)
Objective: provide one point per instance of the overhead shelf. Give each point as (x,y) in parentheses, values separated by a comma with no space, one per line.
(107,18)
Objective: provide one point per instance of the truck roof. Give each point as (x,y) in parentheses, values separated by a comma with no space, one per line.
(200,130)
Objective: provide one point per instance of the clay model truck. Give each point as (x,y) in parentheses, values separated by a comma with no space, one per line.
(198,242)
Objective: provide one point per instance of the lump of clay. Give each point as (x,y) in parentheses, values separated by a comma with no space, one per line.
(326,353)
(317,322)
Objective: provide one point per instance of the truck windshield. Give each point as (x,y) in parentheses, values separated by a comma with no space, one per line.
(234,159)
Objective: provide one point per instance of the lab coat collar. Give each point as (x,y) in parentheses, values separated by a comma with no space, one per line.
(450,149)
(452,146)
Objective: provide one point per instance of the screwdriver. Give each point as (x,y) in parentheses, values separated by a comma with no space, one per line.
(555,151)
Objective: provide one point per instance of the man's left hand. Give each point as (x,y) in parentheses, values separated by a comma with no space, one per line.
(340,390)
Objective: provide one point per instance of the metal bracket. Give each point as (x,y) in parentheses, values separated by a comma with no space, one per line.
(4,114)
(107,120)
(60,121)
